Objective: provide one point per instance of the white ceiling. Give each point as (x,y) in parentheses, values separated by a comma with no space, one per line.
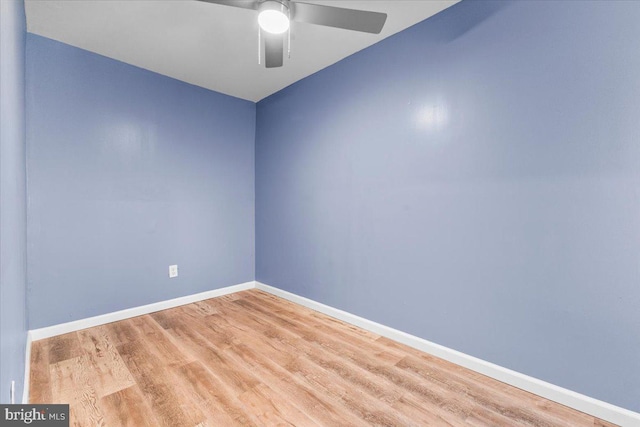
(210,45)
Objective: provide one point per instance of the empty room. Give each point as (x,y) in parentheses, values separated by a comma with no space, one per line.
(319,213)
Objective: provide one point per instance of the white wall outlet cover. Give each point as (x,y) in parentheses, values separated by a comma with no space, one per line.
(173,271)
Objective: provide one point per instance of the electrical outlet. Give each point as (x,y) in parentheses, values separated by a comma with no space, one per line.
(173,271)
(12,392)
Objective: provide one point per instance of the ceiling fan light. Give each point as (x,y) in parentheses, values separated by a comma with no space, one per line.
(273,17)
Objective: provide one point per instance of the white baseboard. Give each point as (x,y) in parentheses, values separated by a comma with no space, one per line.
(591,406)
(64,328)
(27,369)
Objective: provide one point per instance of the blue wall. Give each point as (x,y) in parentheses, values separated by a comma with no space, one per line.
(129,172)
(13,199)
(473,181)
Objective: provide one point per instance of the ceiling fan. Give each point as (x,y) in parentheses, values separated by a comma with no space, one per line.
(274,18)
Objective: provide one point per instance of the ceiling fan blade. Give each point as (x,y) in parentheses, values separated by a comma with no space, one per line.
(273,50)
(348,19)
(244,4)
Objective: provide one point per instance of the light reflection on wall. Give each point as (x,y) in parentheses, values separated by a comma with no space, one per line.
(432,117)
(127,139)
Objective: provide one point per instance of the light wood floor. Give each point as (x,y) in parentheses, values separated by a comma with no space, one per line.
(253,359)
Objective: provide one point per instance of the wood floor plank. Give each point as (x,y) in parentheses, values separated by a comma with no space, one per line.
(209,348)
(123,332)
(243,371)
(128,408)
(253,359)
(326,373)
(40,379)
(63,347)
(149,371)
(357,401)
(247,354)
(271,410)
(319,406)
(221,406)
(108,372)
(71,384)
(417,410)
(166,318)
